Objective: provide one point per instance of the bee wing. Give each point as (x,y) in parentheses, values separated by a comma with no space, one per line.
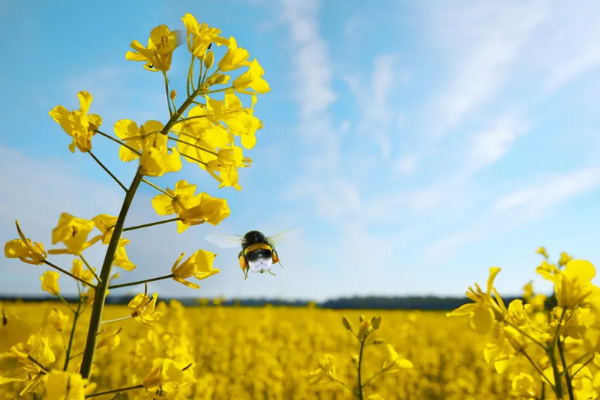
(223,240)
(282,236)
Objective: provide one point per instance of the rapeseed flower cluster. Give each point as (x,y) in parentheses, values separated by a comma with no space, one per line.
(547,347)
(211,128)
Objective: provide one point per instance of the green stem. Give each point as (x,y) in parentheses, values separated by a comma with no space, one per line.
(68,354)
(360,358)
(107,170)
(37,363)
(167,92)
(114,391)
(102,287)
(194,145)
(131,228)
(156,187)
(537,367)
(526,335)
(373,377)
(140,282)
(190,78)
(584,364)
(108,321)
(219,90)
(561,352)
(344,385)
(68,273)
(118,141)
(89,267)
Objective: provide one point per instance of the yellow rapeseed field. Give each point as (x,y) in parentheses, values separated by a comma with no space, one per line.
(267,353)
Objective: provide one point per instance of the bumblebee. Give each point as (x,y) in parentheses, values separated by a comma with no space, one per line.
(258,253)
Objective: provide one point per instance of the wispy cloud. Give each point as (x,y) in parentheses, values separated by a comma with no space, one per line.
(314,74)
(485,39)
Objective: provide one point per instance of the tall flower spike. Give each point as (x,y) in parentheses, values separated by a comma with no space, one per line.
(78,124)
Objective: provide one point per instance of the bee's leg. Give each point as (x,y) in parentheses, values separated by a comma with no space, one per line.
(275,257)
(245,274)
(269,271)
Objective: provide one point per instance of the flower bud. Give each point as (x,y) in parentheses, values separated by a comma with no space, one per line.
(346,323)
(209,59)
(173,94)
(364,329)
(354,359)
(378,341)
(361,318)
(376,321)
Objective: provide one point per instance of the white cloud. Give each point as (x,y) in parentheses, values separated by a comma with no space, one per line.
(485,38)
(314,91)
(536,201)
(489,145)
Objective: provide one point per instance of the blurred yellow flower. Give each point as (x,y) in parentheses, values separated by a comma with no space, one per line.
(79,271)
(394,362)
(78,124)
(63,385)
(325,372)
(58,319)
(50,282)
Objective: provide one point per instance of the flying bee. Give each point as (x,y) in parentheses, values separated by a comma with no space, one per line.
(258,251)
(258,254)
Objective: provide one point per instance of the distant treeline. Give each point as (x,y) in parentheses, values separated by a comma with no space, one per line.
(369,302)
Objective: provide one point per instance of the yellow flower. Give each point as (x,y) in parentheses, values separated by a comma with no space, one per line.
(63,385)
(105,223)
(234,58)
(523,386)
(35,348)
(485,309)
(325,372)
(121,259)
(50,282)
(227,163)
(110,340)
(143,308)
(129,132)
(252,79)
(167,378)
(542,251)
(374,397)
(58,319)
(25,250)
(573,284)
(158,54)
(394,362)
(73,232)
(79,271)
(564,259)
(191,209)
(201,36)
(199,265)
(78,124)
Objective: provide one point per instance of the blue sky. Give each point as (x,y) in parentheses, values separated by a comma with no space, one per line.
(407,147)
